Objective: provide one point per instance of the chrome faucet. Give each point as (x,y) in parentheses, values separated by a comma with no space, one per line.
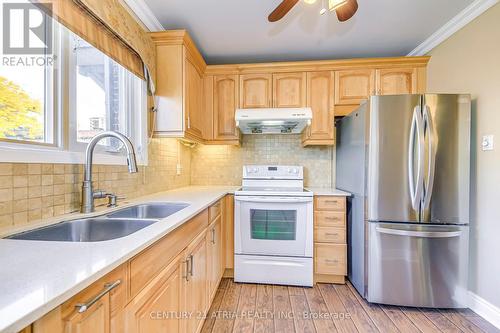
(88,193)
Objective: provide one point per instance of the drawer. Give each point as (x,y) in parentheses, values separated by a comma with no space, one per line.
(330,235)
(329,219)
(329,203)
(214,211)
(151,261)
(330,259)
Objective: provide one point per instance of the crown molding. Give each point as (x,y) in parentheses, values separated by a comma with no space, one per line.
(458,22)
(145,14)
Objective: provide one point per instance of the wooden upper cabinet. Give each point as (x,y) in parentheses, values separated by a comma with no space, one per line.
(193,101)
(352,86)
(255,91)
(320,98)
(289,90)
(225,102)
(395,81)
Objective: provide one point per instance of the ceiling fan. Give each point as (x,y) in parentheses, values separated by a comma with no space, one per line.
(345,9)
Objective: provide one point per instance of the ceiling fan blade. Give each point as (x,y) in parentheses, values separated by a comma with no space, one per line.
(347,11)
(282,9)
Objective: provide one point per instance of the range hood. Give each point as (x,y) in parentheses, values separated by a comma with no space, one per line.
(273,120)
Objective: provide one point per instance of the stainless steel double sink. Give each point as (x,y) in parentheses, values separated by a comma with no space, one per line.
(114,225)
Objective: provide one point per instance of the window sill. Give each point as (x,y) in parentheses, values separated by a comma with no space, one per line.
(41,155)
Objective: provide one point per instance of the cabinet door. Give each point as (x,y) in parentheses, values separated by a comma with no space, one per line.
(289,90)
(157,307)
(255,91)
(195,291)
(395,81)
(193,103)
(354,86)
(214,256)
(320,99)
(95,319)
(225,103)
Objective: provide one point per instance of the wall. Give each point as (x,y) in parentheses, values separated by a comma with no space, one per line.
(222,165)
(469,61)
(30,192)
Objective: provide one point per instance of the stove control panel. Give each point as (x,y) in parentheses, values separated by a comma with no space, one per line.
(273,172)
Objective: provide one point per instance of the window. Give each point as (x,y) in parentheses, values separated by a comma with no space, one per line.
(60,106)
(104,97)
(26,98)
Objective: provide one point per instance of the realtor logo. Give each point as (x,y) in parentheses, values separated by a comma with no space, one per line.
(27,29)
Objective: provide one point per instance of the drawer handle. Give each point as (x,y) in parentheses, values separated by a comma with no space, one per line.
(332,261)
(331,234)
(82,307)
(332,218)
(331,201)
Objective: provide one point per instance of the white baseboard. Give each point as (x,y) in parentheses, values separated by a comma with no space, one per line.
(485,309)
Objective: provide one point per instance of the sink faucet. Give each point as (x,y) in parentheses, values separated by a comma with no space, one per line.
(88,193)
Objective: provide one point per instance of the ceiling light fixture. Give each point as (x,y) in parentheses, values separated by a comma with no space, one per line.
(334,4)
(310,2)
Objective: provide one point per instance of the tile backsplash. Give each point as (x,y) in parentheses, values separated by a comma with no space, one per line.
(30,192)
(222,165)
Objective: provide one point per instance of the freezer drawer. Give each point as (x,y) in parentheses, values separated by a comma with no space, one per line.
(416,265)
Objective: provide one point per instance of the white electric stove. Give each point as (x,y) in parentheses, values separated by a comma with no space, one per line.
(273,234)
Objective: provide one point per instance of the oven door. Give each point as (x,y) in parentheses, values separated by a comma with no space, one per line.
(269,225)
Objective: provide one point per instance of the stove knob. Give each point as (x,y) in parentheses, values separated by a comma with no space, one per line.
(296,171)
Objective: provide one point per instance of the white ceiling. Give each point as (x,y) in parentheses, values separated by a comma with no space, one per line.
(237,31)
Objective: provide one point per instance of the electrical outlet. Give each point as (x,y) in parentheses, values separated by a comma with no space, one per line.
(179,169)
(487,143)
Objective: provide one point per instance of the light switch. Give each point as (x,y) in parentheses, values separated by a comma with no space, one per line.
(487,143)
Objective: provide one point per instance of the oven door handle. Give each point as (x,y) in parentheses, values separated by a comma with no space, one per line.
(273,199)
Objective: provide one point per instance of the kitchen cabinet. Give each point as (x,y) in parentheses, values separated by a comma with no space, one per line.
(157,307)
(179,87)
(352,86)
(289,90)
(214,255)
(320,98)
(225,102)
(256,91)
(330,239)
(194,285)
(395,81)
(193,103)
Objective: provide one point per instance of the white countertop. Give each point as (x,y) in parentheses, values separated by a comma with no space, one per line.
(328,191)
(37,276)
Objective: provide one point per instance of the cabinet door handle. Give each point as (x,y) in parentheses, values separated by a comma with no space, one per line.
(191,261)
(82,307)
(213,235)
(187,269)
(189,122)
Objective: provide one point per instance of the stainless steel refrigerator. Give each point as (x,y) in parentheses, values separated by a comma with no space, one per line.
(406,159)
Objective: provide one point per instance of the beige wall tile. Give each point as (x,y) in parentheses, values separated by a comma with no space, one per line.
(5,169)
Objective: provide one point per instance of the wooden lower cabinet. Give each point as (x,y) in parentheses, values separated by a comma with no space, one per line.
(215,262)
(154,294)
(330,239)
(194,293)
(157,308)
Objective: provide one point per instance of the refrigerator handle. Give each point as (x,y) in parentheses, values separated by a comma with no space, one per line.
(432,142)
(416,186)
(423,234)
